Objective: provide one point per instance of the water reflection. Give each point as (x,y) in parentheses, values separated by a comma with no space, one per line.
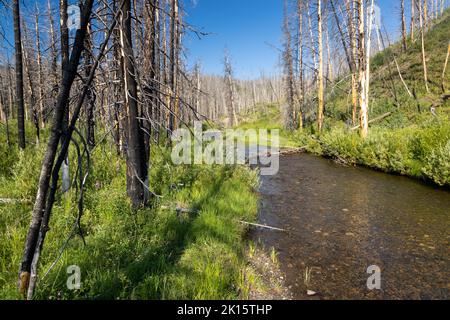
(342,220)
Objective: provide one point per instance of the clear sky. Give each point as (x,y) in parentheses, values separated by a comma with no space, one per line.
(249,29)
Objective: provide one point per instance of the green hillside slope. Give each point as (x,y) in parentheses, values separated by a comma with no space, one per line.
(413,140)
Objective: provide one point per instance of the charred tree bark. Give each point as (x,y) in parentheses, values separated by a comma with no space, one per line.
(19,75)
(173,65)
(150,72)
(90,99)
(36,226)
(136,159)
(64,63)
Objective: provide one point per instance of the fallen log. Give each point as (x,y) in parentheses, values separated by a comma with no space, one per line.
(383,116)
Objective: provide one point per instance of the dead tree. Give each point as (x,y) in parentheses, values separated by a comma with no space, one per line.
(445,68)
(231,107)
(288,61)
(311,36)
(119,113)
(150,71)
(320,86)
(4,108)
(301,85)
(413,19)
(422,26)
(54,55)
(363,113)
(404,35)
(31,84)
(136,159)
(351,11)
(41,213)
(19,75)
(174,30)
(90,99)
(64,61)
(39,69)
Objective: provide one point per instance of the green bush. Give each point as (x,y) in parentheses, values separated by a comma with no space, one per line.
(437,165)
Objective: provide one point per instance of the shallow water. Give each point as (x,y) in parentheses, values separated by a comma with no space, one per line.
(339,221)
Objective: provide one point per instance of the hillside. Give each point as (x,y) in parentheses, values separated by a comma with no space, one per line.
(387,91)
(413,140)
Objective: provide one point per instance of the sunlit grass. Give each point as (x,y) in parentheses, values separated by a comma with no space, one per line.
(154,253)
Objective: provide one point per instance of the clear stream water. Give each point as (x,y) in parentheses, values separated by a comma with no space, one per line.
(340,220)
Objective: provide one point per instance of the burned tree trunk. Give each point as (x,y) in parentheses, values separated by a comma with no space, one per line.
(37,226)
(173,65)
(90,99)
(150,72)
(136,159)
(19,75)
(64,62)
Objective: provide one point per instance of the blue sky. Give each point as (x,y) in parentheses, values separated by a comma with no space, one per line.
(244,27)
(249,29)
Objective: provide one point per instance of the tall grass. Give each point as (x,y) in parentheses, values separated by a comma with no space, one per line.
(152,253)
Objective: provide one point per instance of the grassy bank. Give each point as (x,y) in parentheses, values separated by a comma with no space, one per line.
(419,149)
(154,253)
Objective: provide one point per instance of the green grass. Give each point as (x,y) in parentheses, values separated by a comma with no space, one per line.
(152,253)
(268,117)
